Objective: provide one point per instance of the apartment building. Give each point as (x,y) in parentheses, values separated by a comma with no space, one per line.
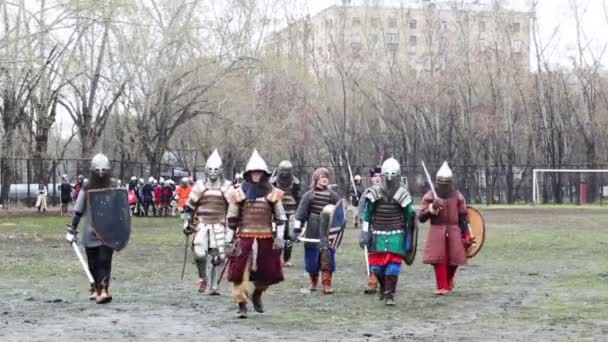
(416,35)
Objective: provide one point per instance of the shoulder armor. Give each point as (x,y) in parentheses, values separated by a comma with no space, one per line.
(402,196)
(275,195)
(238,195)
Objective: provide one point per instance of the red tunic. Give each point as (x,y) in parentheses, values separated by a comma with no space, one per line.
(444,231)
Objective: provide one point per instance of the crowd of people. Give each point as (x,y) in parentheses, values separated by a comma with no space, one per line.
(248,229)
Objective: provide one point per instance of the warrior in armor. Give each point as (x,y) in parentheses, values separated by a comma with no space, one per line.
(208,203)
(256,255)
(449,236)
(290,185)
(388,219)
(309,211)
(99,255)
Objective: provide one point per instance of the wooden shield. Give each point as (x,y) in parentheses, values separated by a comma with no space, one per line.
(478,231)
(413,240)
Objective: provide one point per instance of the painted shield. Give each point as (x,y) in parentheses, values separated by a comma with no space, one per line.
(337,224)
(108,211)
(477,226)
(411,243)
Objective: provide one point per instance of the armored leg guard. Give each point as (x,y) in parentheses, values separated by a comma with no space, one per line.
(201,265)
(327,289)
(215,280)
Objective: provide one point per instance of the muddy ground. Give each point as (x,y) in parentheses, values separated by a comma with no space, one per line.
(542,276)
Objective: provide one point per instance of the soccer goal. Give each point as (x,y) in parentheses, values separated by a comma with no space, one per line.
(538,173)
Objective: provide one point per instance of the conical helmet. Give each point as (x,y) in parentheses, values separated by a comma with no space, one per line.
(214,161)
(445,173)
(256,163)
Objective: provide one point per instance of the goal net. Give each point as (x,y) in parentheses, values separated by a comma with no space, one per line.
(569,185)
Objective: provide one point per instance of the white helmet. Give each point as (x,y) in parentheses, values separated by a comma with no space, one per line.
(444,173)
(151,179)
(256,163)
(391,169)
(214,160)
(100,164)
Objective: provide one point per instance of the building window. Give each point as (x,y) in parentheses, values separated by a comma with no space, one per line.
(375,22)
(392,38)
(413,24)
(482,26)
(517,46)
(356,21)
(515,27)
(412,58)
(392,22)
(413,40)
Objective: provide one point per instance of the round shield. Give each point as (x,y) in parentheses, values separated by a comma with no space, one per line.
(477,227)
(411,255)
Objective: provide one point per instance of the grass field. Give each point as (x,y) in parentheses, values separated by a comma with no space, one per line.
(542,276)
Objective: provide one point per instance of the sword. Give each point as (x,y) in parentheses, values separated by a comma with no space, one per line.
(83,263)
(226,264)
(428,178)
(185,257)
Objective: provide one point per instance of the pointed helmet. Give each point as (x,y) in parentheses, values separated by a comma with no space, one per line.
(256,163)
(444,174)
(214,161)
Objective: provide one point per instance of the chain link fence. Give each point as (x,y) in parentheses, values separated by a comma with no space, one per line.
(479,184)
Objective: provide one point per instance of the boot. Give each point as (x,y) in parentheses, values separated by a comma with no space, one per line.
(93,293)
(327,282)
(390,286)
(372,284)
(242,311)
(314,280)
(256,299)
(104,296)
(202,285)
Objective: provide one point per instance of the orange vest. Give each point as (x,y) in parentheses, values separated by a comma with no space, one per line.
(182,195)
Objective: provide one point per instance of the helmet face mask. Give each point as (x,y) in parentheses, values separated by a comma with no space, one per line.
(100,165)
(391,176)
(285,172)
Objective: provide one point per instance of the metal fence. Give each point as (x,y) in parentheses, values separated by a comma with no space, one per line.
(478,183)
